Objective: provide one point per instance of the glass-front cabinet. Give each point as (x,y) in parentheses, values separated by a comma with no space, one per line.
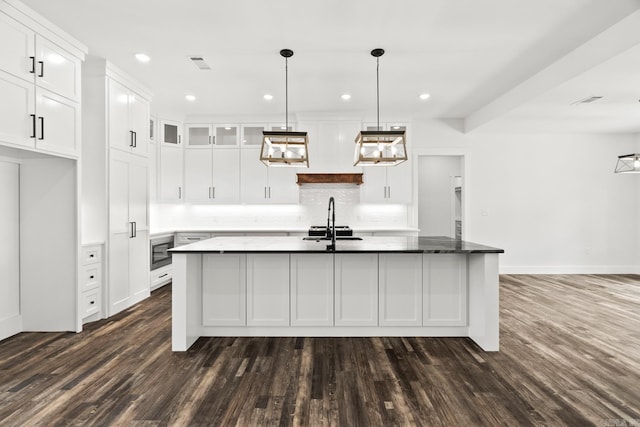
(212,135)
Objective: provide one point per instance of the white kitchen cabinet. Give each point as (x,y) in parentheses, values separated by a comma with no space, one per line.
(268,289)
(262,184)
(154,153)
(331,145)
(128,119)
(10,319)
(170,175)
(212,175)
(170,133)
(91,283)
(128,231)
(311,281)
(186,238)
(387,184)
(40,88)
(400,281)
(160,276)
(445,290)
(356,289)
(224,289)
(198,135)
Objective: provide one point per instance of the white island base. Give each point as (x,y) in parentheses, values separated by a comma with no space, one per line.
(335,294)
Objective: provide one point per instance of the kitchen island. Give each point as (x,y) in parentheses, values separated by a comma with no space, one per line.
(378,286)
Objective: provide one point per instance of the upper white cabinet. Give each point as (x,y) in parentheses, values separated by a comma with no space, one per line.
(40,88)
(261,184)
(387,184)
(331,146)
(212,175)
(128,119)
(171,171)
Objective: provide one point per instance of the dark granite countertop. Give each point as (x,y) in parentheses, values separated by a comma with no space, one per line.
(290,244)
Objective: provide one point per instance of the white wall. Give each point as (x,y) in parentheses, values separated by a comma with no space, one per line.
(551,201)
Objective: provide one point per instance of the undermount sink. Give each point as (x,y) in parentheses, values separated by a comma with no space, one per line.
(318,238)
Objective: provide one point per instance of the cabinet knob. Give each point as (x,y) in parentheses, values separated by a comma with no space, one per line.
(91,277)
(92,302)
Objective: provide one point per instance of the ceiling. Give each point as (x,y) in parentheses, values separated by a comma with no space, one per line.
(514,65)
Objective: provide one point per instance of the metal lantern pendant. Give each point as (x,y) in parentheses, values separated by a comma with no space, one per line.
(628,163)
(379,147)
(284,148)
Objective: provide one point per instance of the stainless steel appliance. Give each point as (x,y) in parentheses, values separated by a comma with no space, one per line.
(320,232)
(160,255)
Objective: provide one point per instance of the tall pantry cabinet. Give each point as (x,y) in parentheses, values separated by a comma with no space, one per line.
(116,179)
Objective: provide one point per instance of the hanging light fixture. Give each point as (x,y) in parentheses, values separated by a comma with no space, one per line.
(284,148)
(628,163)
(380,147)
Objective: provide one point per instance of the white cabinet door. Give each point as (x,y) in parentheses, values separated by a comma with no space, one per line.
(139,266)
(118,285)
(400,278)
(224,289)
(170,133)
(57,70)
(374,186)
(445,290)
(199,136)
(356,289)
(170,176)
(17,50)
(10,249)
(226,176)
(58,123)
(268,289)
(119,194)
(17,111)
(138,192)
(282,186)
(120,135)
(311,289)
(254,180)
(399,179)
(197,175)
(139,123)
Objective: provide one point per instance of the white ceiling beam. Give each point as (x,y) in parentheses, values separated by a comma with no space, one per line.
(614,40)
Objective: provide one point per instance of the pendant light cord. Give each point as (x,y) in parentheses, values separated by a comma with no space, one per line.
(378,89)
(286,94)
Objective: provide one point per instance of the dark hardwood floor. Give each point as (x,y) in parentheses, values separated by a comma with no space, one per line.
(570,355)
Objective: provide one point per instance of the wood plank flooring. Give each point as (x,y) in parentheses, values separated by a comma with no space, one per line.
(570,355)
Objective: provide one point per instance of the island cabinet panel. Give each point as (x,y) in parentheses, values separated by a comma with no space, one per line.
(268,289)
(356,289)
(400,276)
(445,290)
(224,290)
(311,289)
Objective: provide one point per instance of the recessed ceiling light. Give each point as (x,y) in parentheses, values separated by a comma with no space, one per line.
(424,96)
(346,97)
(190,97)
(142,57)
(268,97)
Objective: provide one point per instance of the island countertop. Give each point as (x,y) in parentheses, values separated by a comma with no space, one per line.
(275,244)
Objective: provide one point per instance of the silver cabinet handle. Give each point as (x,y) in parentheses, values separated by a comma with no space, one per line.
(388,192)
(213,192)
(269,192)
(179,192)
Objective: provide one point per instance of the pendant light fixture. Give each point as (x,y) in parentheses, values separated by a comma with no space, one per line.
(628,163)
(284,148)
(380,147)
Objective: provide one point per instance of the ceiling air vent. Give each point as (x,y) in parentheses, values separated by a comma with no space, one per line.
(587,100)
(199,61)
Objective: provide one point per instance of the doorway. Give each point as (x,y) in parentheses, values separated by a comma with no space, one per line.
(440,196)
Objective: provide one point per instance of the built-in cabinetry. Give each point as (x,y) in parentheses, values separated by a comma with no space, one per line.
(91,282)
(261,184)
(40,101)
(116,179)
(341,289)
(40,85)
(160,276)
(170,173)
(331,146)
(212,164)
(387,184)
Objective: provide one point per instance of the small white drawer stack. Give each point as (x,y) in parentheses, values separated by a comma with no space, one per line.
(91,282)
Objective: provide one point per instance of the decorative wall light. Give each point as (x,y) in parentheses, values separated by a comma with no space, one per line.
(284,148)
(379,147)
(628,163)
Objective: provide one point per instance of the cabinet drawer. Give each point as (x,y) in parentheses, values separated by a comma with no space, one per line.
(161,276)
(186,238)
(91,254)
(91,276)
(90,302)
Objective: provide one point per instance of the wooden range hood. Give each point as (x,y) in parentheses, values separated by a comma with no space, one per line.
(330,178)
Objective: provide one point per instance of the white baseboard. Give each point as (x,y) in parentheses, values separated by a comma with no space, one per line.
(10,326)
(570,269)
